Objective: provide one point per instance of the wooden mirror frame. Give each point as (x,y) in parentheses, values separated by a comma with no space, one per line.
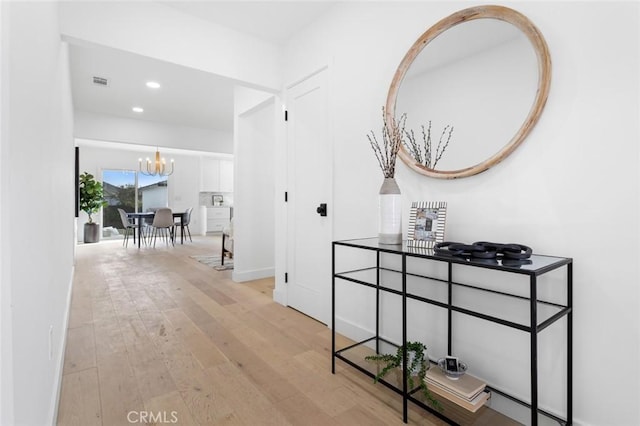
(544,81)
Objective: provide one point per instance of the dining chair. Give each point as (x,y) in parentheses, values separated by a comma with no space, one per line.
(163,221)
(186,219)
(128,225)
(227,241)
(147,222)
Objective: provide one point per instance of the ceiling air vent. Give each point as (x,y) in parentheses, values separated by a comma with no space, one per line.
(100,81)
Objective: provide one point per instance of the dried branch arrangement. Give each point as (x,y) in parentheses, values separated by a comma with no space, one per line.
(392,138)
(424,154)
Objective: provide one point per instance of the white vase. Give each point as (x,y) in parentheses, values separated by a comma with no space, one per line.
(390,207)
(415,369)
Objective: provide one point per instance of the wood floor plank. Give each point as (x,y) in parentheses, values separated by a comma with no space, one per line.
(152,376)
(199,393)
(359,416)
(262,345)
(253,408)
(305,379)
(174,289)
(209,305)
(220,297)
(133,329)
(102,307)
(170,408)
(154,322)
(300,407)
(160,298)
(195,313)
(255,363)
(81,349)
(119,393)
(122,302)
(141,299)
(81,311)
(291,345)
(108,338)
(334,401)
(80,399)
(194,339)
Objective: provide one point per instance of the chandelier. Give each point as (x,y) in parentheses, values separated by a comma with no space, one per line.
(155,168)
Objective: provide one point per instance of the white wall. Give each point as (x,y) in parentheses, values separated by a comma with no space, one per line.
(37,211)
(570,190)
(254,184)
(6,356)
(88,125)
(161,32)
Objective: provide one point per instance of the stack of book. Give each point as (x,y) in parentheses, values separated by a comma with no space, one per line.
(467,391)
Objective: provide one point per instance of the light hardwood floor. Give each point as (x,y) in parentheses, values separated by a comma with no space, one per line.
(157,338)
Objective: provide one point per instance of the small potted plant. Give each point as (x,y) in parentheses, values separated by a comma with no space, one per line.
(418,366)
(91,201)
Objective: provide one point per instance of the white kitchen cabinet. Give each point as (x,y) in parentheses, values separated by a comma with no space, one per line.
(218,218)
(216,175)
(210,175)
(226,176)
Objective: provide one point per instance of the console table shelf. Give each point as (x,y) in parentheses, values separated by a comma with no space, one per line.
(532,315)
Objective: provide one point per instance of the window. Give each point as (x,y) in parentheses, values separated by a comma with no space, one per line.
(152,192)
(131,191)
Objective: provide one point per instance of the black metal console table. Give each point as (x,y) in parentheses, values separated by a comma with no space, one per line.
(394,280)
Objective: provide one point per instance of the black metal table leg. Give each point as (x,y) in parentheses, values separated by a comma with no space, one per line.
(405,364)
(534,349)
(333,308)
(377,302)
(449,311)
(570,344)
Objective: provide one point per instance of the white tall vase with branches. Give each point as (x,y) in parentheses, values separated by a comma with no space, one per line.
(390,198)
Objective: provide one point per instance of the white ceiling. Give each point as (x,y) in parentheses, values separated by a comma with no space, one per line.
(274,21)
(187,97)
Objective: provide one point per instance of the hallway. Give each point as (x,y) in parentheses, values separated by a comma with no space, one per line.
(156,337)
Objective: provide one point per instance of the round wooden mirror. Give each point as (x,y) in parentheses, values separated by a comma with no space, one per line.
(474,91)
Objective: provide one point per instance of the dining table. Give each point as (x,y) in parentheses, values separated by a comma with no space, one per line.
(139,217)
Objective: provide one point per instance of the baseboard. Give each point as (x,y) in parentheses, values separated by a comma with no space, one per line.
(256,274)
(352,331)
(60,367)
(280,296)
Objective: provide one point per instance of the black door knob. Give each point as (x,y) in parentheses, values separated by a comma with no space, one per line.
(322,209)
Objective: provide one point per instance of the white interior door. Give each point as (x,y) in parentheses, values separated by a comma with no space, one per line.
(309,186)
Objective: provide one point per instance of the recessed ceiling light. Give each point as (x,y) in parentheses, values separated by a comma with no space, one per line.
(137,109)
(153,85)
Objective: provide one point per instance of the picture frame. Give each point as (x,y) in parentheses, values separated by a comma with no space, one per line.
(217,200)
(451,363)
(426,223)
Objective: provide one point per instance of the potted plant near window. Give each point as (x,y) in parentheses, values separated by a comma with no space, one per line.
(91,201)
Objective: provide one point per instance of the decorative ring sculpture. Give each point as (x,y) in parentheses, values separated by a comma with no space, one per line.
(484,250)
